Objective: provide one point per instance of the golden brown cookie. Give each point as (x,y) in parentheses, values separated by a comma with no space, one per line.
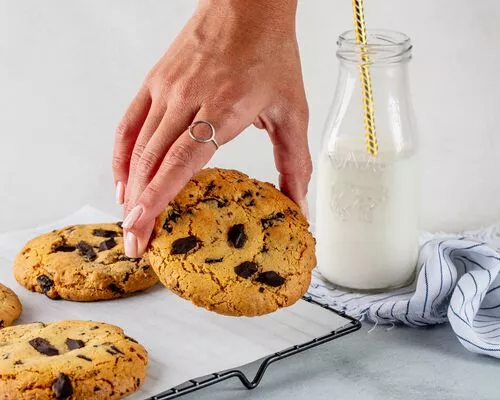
(82,263)
(69,360)
(233,245)
(10,306)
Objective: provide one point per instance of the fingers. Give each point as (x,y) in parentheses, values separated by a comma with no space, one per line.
(292,157)
(174,122)
(182,161)
(153,120)
(125,137)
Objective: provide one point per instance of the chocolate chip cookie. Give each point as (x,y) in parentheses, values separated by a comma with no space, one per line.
(233,245)
(10,306)
(69,360)
(82,263)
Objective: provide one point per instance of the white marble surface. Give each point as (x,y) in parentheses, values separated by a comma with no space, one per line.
(403,363)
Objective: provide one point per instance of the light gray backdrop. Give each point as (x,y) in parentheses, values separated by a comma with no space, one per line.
(69,68)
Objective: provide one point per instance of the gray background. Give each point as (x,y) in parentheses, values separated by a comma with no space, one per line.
(69,68)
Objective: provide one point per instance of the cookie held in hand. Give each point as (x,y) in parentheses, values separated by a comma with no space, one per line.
(233,245)
(82,263)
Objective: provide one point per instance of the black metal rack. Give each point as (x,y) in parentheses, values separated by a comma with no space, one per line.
(194,385)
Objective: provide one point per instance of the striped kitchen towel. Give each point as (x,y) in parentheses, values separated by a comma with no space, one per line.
(458,281)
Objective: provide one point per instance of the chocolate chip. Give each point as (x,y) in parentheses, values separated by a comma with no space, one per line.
(62,387)
(246,194)
(246,269)
(18,362)
(84,357)
(211,186)
(96,389)
(261,290)
(45,283)
(1,323)
(114,350)
(107,244)
(5,356)
(120,224)
(264,249)
(269,221)
(127,276)
(236,236)
(65,248)
(251,203)
(86,251)
(43,347)
(184,245)
(131,339)
(172,217)
(270,278)
(94,328)
(105,233)
(74,343)
(213,260)
(116,289)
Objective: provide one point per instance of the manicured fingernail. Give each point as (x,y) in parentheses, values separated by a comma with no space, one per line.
(132,217)
(120,193)
(131,245)
(305,208)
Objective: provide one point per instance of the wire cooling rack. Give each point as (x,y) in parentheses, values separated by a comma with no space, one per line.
(194,385)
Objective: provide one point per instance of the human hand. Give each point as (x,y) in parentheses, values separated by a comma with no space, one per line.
(231,65)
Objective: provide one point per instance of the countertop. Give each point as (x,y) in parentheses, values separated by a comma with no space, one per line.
(401,363)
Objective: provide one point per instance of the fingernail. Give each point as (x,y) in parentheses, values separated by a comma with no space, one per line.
(132,217)
(304,206)
(131,245)
(120,193)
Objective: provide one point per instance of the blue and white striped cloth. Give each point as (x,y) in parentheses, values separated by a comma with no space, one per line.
(458,281)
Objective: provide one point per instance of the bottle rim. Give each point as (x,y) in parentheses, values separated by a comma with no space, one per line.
(384,46)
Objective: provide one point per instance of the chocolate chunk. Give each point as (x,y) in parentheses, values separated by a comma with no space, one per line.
(172,217)
(131,339)
(105,233)
(114,350)
(213,260)
(107,244)
(45,283)
(43,347)
(219,202)
(116,289)
(270,278)
(269,221)
(65,248)
(211,186)
(86,251)
(184,245)
(236,236)
(246,194)
(84,357)
(62,387)
(246,269)
(74,343)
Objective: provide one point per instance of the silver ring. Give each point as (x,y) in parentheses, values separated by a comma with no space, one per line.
(200,140)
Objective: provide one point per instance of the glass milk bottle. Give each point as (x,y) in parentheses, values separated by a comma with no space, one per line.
(366,206)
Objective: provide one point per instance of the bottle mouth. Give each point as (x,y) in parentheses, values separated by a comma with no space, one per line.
(383,47)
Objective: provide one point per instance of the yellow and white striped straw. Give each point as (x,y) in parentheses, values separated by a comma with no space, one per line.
(366,85)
